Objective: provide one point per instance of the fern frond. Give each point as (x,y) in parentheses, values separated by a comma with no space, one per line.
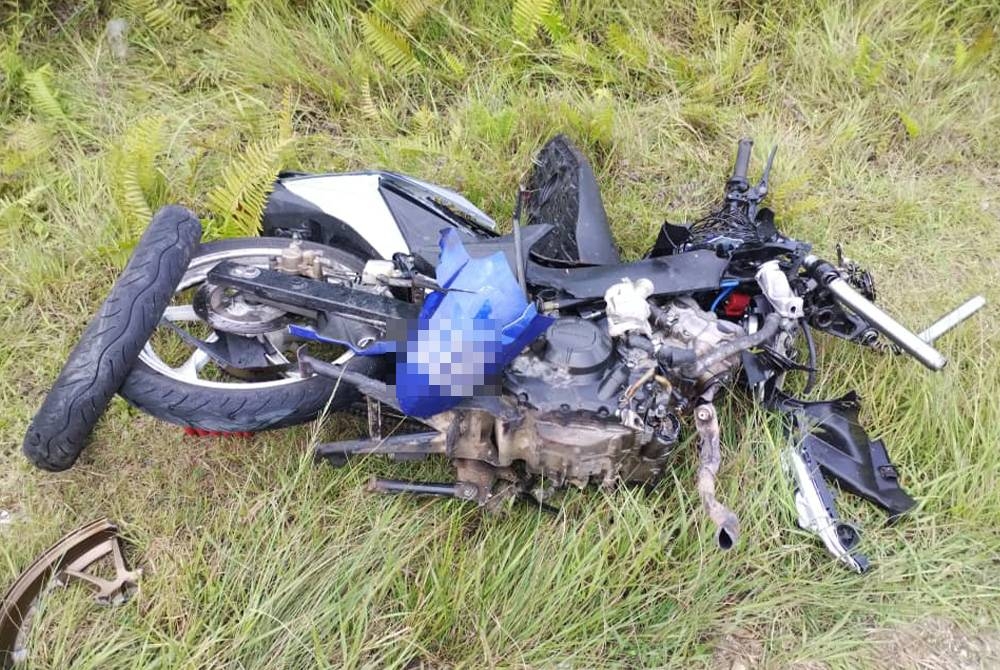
(238,201)
(426,126)
(423,122)
(163,15)
(737,51)
(134,205)
(454,64)
(552,24)
(528,16)
(411,11)
(41,94)
(10,204)
(367,102)
(625,46)
(28,142)
(966,57)
(137,183)
(391,46)
(602,119)
(11,69)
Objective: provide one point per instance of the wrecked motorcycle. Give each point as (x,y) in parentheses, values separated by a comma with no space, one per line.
(531,360)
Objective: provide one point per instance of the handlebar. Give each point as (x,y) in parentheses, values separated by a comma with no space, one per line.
(844,294)
(739,179)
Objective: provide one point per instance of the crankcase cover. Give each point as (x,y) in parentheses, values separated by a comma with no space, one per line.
(577,345)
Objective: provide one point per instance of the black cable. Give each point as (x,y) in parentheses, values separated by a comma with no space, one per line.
(811,346)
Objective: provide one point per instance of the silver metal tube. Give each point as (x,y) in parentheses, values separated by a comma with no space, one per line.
(952,319)
(906,339)
(518,244)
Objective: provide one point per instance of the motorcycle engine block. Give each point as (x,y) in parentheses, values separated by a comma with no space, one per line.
(597,408)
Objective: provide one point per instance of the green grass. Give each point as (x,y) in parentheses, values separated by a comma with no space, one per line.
(886,115)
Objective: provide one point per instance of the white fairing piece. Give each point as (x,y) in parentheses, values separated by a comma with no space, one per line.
(774,284)
(355,200)
(627,307)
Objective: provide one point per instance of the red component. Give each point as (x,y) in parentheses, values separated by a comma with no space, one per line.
(198,432)
(736,305)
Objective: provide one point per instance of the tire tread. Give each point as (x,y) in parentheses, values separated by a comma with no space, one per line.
(111,343)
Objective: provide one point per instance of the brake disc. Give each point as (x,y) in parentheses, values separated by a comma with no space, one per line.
(234,312)
(67,561)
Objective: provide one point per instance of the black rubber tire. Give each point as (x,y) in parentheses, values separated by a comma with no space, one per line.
(101,360)
(237,409)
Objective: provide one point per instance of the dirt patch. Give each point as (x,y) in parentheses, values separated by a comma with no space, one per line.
(742,650)
(934,644)
(928,644)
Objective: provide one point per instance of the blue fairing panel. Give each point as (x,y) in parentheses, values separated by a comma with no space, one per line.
(465,335)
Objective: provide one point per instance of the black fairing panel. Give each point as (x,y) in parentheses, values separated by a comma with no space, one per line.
(689,272)
(421,228)
(832,434)
(563,192)
(287,214)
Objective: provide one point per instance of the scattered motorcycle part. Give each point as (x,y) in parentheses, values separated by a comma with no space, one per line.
(952,319)
(519,242)
(562,191)
(832,433)
(774,284)
(816,511)
(375,269)
(688,328)
(101,361)
(191,394)
(847,296)
(67,561)
(727,525)
(627,308)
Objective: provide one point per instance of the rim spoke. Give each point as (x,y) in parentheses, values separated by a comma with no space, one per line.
(196,361)
(180,313)
(193,365)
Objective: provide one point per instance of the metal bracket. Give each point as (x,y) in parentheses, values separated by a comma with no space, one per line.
(827,440)
(229,350)
(816,510)
(374,418)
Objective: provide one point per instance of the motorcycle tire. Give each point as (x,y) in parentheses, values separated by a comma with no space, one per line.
(240,407)
(111,343)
